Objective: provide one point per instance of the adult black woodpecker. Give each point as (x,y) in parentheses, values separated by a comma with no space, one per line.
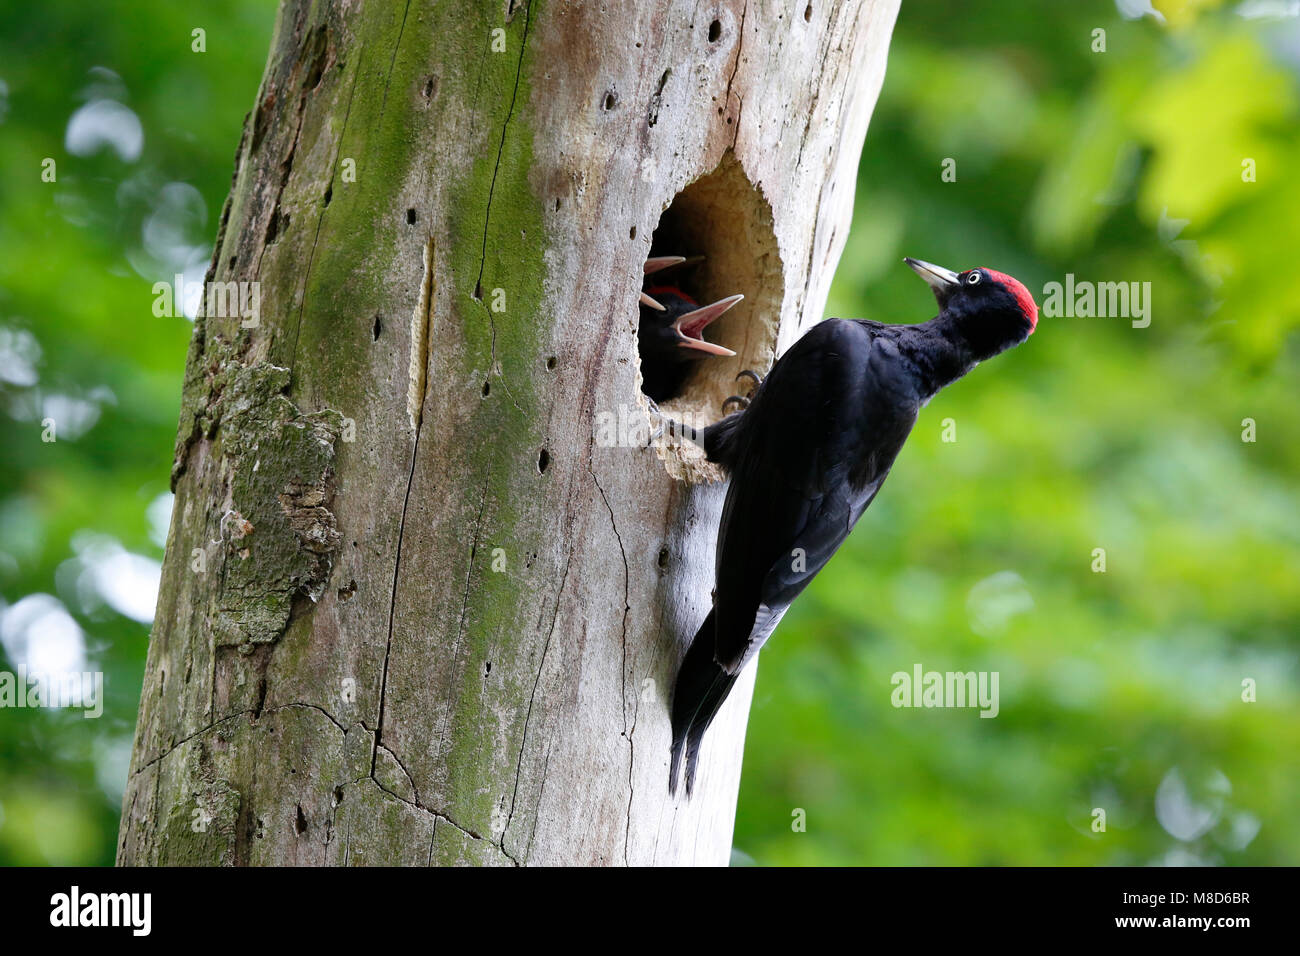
(808,455)
(670,333)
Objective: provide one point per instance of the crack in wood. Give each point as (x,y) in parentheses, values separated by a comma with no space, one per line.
(627,608)
(320,220)
(383,103)
(392,601)
(523,741)
(464,599)
(501,147)
(440,815)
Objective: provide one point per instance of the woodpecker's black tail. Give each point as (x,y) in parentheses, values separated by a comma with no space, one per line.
(702,685)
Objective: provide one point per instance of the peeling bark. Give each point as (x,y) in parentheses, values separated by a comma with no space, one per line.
(414,609)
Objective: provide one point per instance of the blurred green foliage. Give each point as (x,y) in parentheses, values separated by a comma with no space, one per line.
(79,342)
(1119,690)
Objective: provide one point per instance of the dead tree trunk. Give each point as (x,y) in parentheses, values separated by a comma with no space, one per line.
(426,588)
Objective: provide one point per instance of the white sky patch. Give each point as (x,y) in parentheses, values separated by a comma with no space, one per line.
(172,239)
(19,355)
(41,636)
(1188,811)
(125,581)
(112,763)
(73,416)
(194,274)
(1243,827)
(159,515)
(1269,9)
(1137,9)
(178,213)
(105,124)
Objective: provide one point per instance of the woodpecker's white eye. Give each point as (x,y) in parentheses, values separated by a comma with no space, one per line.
(973,278)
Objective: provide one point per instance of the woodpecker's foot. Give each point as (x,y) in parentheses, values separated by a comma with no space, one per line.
(743,400)
(661,425)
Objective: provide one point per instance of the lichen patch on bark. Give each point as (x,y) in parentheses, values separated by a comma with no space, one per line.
(280,467)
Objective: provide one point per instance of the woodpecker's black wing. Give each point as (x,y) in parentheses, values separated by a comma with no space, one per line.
(805,458)
(815,443)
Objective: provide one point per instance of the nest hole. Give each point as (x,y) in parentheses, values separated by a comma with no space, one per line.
(724,218)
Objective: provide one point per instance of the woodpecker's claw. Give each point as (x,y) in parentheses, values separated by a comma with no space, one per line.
(743,400)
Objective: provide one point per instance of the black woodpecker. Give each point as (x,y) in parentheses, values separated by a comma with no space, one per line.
(808,455)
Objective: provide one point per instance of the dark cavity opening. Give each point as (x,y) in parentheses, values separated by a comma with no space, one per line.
(723,225)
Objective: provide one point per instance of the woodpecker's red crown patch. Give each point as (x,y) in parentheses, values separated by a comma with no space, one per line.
(1026,301)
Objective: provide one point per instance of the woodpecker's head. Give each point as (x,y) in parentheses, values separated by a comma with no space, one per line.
(679,327)
(991,310)
(672,323)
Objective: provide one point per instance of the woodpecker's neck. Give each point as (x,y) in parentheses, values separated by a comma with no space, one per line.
(956,340)
(940,354)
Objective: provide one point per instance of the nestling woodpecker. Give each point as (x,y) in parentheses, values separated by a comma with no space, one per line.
(808,455)
(670,334)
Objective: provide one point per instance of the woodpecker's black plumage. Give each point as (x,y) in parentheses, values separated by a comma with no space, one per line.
(810,453)
(672,340)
